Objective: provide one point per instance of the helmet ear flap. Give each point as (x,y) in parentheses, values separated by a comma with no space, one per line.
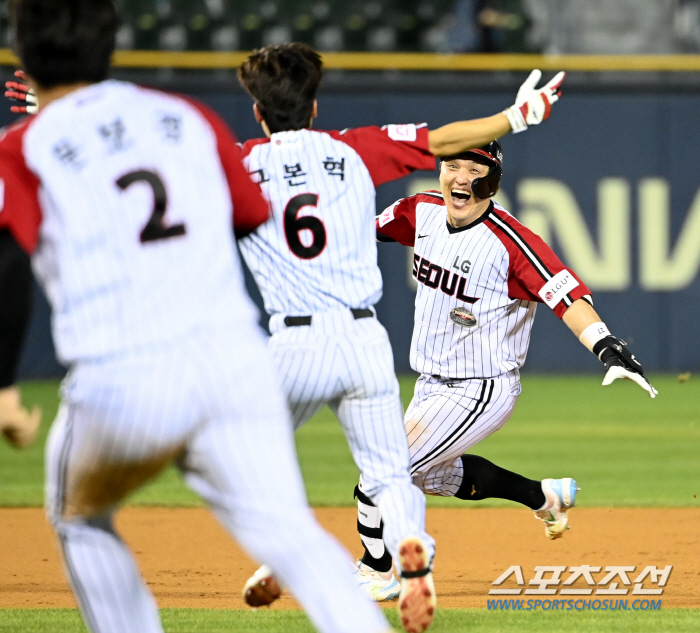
(488,185)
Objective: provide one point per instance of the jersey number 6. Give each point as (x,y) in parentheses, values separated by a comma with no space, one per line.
(294,224)
(154,229)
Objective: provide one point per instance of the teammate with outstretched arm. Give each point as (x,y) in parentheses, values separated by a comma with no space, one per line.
(315,263)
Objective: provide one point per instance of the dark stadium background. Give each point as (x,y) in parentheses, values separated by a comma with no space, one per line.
(628,118)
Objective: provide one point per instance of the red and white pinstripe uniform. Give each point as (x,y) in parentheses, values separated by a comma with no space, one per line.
(127,199)
(318,252)
(109,282)
(317,257)
(494,271)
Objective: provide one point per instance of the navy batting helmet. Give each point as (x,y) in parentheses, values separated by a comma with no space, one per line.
(491,155)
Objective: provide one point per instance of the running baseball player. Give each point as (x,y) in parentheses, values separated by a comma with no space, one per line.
(480,276)
(126,199)
(315,263)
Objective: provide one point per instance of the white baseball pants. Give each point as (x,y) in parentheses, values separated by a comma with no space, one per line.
(347,363)
(446,418)
(208,402)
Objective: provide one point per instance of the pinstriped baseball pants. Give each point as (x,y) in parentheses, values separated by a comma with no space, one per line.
(446,418)
(347,363)
(209,400)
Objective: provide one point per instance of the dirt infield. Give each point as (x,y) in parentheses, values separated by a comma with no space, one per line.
(189,561)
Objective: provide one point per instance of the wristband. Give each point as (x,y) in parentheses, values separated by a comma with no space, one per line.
(516,119)
(594,333)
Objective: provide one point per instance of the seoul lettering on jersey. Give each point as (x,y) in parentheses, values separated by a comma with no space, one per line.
(432,276)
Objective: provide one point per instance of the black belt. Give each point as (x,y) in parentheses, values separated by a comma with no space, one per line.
(450,382)
(293,321)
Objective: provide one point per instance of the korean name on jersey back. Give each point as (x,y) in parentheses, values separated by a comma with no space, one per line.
(125,253)
(321,236)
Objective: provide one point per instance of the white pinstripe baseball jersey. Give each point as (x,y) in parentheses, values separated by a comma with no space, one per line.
(318,251)
(478,286)
(317,257)
(113,188)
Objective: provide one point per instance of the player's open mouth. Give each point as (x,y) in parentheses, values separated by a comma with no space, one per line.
(460,197)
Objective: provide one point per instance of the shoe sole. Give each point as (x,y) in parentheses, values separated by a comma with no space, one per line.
(261,590)
(417,602)
(382,595)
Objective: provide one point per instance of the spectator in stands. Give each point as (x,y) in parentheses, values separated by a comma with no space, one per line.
(488,26)
(622,27)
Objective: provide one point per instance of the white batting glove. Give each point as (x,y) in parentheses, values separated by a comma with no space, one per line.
(18,425)
(616,372)
(621,363)
(533,105)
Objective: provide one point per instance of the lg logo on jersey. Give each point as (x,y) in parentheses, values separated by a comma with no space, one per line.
(432,276)
(465,266)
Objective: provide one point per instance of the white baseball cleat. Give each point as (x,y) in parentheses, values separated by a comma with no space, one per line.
(560,495)
(262,588)
(417,602)
(380,586)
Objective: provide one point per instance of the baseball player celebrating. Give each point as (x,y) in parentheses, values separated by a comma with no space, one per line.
(127,199)
(480,275)
(315,263)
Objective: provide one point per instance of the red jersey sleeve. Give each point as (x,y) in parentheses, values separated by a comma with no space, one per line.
(535,272)
(398,221)
(250,209)
(20,212)
(390,152)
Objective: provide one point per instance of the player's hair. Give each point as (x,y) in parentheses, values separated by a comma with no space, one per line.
(63,42)
(283,80)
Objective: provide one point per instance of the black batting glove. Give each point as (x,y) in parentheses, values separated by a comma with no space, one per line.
(621,363)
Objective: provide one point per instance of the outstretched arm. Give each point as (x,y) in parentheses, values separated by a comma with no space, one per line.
(460,136)
(532,106)
(619,362)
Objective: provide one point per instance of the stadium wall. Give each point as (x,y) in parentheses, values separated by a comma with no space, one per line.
(611,182)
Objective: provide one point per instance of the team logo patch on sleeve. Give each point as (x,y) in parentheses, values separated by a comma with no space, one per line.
(557,288)
(386,216)
(405,132)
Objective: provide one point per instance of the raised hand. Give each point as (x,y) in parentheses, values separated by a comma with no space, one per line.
(533,105)
(21,92)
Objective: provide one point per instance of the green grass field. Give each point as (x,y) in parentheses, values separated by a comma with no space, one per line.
(624,449)
(452,621)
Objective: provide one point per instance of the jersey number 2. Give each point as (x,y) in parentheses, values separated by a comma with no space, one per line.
(293,225)
(155,228)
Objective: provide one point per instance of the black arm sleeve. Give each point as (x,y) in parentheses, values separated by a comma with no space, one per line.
(15,304)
